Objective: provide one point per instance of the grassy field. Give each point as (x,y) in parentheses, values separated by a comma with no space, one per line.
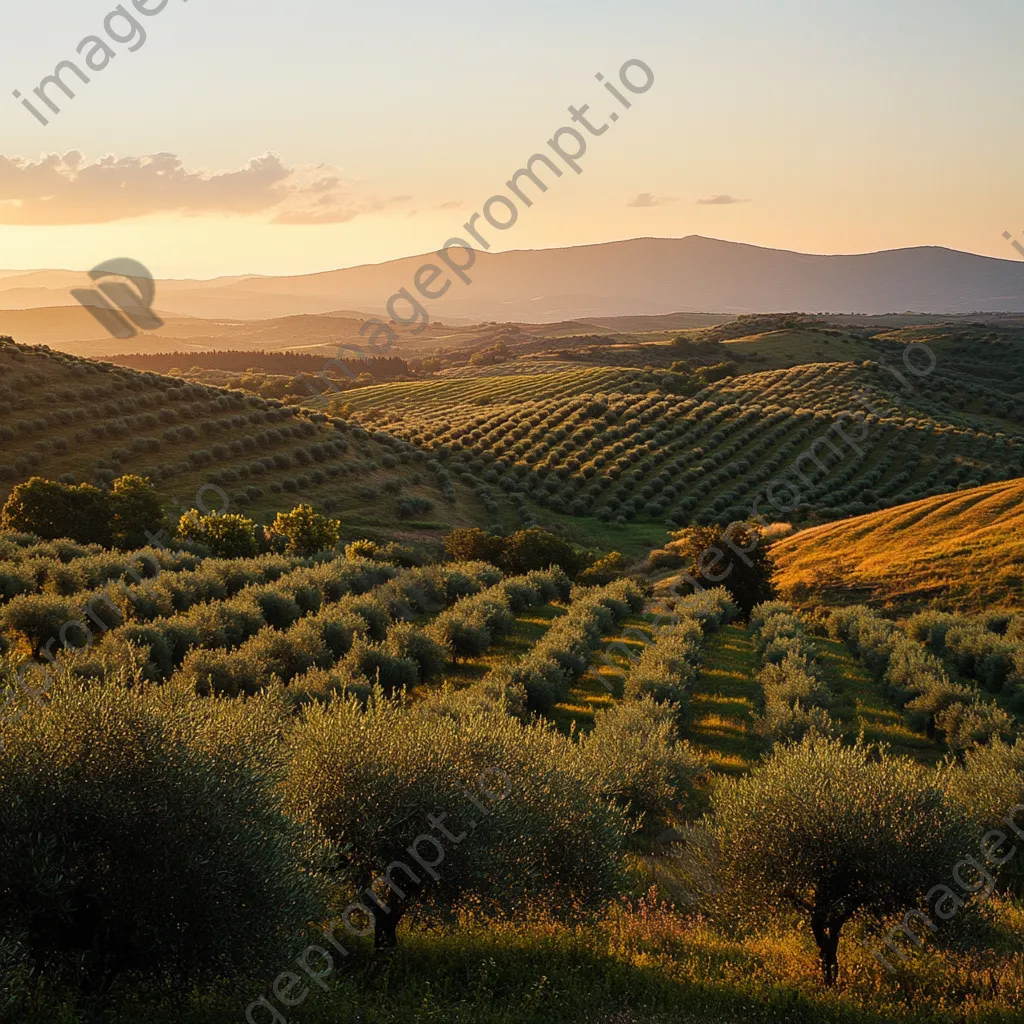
(963,550)
(726,702)
(796,347)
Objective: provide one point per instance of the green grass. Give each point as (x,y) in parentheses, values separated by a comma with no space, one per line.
(726,701)
(603,684)
(530,627)
(866,709)
(642,963)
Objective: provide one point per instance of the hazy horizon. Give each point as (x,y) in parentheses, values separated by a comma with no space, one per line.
(11,271)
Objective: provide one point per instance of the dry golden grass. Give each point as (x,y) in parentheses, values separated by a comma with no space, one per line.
(964,550)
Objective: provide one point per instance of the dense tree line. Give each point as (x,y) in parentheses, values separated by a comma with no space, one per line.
(279,363)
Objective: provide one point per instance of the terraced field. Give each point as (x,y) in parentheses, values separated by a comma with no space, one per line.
(651,455)
(72,419)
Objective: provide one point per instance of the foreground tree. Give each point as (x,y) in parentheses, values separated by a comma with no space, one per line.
(141,831)
(832,831)
(449,803)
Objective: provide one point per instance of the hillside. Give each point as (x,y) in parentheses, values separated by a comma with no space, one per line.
(77,420)
(963,550)
(639,276)
(624,446)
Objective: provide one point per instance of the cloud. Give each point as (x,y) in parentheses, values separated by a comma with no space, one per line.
(720,200)
(69,190)
(645,200)
(452,204)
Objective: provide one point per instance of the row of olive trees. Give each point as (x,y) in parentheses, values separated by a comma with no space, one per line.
(667,666)
(197,801)
(543,678)
(797,699)
(916,681)
(62,576)
(259,619)
(211,594)
(988,648)
(635,749)
(356,642)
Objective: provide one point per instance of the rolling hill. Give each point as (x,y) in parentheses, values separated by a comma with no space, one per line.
(638,276)
(623,445)
(963,550)
(77,420)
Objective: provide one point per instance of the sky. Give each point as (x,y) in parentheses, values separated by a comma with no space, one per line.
(254,136)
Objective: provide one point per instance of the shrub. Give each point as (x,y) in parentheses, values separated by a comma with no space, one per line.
(141,831)
(137,513)
(42,620)
(563,653)
(409,643)
(529,550)
(399,554)
(472,545)
(413,506)
(226,536)
(965,725)
(304,531)
(668,665)
(603,571)
(832,831)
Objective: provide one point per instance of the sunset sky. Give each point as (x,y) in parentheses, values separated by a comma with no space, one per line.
(315,134)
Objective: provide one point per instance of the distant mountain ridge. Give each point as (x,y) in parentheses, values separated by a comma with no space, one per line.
(637,276)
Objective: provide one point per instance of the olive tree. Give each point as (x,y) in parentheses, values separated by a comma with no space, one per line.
(990,787)
(304,531)
(637,760)
(448,801)
(141,831)
(136,512)
(226,535)
(832,831)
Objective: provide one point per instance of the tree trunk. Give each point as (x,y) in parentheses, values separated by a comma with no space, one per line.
(827,939)
(385,927)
